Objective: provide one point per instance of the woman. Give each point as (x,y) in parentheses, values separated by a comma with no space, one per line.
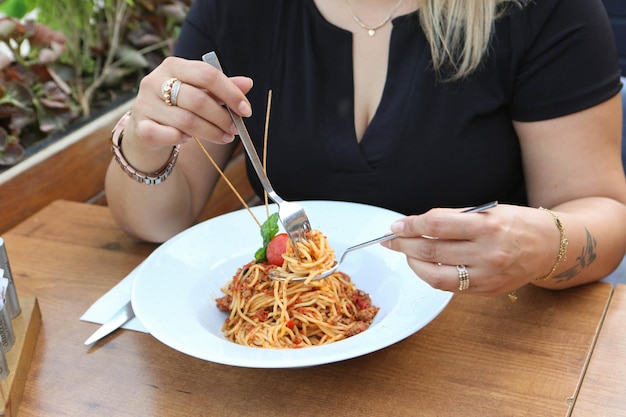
(408,105)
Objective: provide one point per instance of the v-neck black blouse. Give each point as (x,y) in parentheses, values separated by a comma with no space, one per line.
(430,143)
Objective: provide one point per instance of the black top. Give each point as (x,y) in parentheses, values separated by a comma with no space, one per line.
(616,10)
(430,143)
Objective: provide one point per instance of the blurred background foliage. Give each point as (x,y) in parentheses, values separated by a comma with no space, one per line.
(60,60)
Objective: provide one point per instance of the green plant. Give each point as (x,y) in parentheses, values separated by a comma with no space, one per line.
(63,65)
(32,103)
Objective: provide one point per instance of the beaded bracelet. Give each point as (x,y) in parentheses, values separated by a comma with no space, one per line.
(562,245)
(150,179)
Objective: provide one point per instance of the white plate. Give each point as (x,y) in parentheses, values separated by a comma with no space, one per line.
(175,289)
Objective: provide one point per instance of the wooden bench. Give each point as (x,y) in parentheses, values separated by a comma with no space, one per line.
(74,167)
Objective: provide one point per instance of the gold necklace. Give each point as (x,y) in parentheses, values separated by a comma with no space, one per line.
(371,30)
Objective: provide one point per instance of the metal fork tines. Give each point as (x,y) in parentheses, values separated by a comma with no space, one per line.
(291,215)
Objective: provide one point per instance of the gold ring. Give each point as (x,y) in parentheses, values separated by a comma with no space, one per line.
(464,281)
(169,91)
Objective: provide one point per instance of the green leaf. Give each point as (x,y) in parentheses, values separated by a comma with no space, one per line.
(268,230)
(14,8)
(261,254)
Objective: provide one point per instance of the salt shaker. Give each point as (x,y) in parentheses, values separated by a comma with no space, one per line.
(12,302)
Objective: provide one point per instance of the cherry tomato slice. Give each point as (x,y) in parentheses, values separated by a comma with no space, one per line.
(276,248)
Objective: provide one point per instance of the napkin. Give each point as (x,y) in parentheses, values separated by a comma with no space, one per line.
(112,301)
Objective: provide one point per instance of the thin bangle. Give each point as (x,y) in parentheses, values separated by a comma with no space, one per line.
(562,245)
(150,179)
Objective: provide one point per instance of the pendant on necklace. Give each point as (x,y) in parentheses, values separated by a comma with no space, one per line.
(371,30)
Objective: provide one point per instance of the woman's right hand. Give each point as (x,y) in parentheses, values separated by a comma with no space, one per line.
(155,213)
(154,126)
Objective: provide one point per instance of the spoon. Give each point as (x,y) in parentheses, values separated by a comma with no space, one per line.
(382,238)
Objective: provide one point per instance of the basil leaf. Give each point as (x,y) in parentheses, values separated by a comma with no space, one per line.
(261,255)
(269,228)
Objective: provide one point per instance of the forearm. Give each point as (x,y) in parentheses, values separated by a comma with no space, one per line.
(149,212)
(155,190)
(596,241)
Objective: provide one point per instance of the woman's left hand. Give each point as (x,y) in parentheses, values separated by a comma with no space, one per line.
(501,249)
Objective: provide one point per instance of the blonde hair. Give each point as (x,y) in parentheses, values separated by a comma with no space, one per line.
(459,32)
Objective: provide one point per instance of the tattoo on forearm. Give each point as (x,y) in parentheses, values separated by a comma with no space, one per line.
(587,256)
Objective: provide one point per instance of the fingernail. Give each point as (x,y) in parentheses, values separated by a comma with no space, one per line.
(233,129)
(227,138)
(244,109)
(397,227)
(186,138)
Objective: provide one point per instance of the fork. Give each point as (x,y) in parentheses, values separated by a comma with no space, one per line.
(382,238)
(292,216)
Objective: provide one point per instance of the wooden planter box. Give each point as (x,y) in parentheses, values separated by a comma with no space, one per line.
(73,168)
(70,168)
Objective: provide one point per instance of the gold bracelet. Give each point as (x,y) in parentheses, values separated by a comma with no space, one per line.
(562,245)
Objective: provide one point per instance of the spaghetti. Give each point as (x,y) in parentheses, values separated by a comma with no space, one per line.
(292,314)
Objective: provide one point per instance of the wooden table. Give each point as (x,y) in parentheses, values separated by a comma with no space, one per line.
(604,386)
(479,357)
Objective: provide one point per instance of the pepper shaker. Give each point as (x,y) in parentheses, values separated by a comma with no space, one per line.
(12,303)
(4,366)
(7,335)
